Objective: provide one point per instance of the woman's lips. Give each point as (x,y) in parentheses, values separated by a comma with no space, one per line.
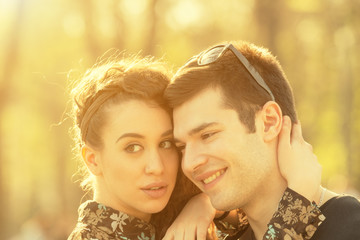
(155,190)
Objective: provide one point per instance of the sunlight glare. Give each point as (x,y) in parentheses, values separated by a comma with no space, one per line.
(73,25)
(309,32)
(134,7)
(304,5)
(184,14)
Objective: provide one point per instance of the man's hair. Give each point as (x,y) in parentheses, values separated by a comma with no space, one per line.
(240,90)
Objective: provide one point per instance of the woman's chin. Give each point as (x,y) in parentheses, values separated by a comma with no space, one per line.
(156,207)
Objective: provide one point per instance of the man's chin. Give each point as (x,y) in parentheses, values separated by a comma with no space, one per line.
(219,204)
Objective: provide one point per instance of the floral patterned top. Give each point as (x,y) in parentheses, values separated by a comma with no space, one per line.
(296,218)
(98,222)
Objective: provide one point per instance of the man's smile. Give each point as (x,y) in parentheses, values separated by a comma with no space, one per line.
(214,176)
(209,179)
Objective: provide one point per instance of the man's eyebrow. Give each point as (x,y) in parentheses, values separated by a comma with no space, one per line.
(201,127)
(196,130)
(134,135)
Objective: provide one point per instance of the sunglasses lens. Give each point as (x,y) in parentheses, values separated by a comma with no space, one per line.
(210,56)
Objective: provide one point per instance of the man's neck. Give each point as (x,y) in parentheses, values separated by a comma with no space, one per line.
(263,206)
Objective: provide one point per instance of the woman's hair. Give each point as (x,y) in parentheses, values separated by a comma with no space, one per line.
(119,80)
(183,191)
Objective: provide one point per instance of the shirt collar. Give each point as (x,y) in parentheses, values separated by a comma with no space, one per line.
(114,222)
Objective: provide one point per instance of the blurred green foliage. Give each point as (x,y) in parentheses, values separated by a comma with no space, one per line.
(42,42)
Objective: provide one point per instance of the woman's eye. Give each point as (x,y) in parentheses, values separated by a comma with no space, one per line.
(166,144)
(207,135)
(133,148)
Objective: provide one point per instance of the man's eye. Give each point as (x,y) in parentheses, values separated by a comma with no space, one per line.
(166,144)
(207,135)
(133,148)
(181,148)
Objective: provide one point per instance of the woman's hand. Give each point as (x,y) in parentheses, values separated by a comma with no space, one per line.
(193,221)
(297,162)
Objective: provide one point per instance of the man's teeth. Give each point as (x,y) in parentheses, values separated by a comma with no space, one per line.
(213,177)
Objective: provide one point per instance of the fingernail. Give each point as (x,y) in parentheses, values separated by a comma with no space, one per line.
(286,120)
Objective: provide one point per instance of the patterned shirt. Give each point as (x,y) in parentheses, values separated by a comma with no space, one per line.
(296,218)
(98,222)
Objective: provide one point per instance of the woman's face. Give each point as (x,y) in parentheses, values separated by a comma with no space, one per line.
(138,161)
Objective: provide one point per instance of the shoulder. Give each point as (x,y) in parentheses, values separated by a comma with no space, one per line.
(342,219)
(89,232)
(78,233)
(342,204)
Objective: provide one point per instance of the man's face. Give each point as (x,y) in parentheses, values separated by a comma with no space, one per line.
(225,161)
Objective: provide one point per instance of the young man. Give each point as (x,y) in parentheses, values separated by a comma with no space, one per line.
(229,102)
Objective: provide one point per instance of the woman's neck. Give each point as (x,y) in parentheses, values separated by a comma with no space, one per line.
(106,198)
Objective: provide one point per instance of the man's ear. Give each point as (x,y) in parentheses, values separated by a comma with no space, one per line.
(91,159)
(271,116)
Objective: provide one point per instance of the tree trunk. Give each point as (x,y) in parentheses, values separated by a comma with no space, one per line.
(267,14)
(120,30)
(152,23)
(90,29)
(11,60)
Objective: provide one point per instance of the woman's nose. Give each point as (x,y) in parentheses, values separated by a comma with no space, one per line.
(154,164)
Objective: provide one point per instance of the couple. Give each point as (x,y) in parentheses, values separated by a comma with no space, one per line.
(229,114)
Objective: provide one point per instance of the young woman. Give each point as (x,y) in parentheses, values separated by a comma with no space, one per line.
(123,129)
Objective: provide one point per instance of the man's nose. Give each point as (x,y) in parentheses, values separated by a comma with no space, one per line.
(193,158)
(154,163)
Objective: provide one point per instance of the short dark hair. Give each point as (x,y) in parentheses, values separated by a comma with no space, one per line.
(239,89)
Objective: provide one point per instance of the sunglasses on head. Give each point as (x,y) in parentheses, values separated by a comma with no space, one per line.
(211,55)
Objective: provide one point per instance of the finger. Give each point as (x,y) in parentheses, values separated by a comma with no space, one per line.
(309,146)
(296,133)
(178,235)
(201,232)
(169,235)
(190,233)
(316,159)
(284,136)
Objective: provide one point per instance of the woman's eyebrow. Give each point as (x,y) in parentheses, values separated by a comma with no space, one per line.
(133,135)
(136,135)
(167,133)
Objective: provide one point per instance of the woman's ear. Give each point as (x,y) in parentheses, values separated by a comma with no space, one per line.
(91,159)
(272,120)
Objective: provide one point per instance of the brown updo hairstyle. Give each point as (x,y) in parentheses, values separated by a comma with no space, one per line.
(117,80)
